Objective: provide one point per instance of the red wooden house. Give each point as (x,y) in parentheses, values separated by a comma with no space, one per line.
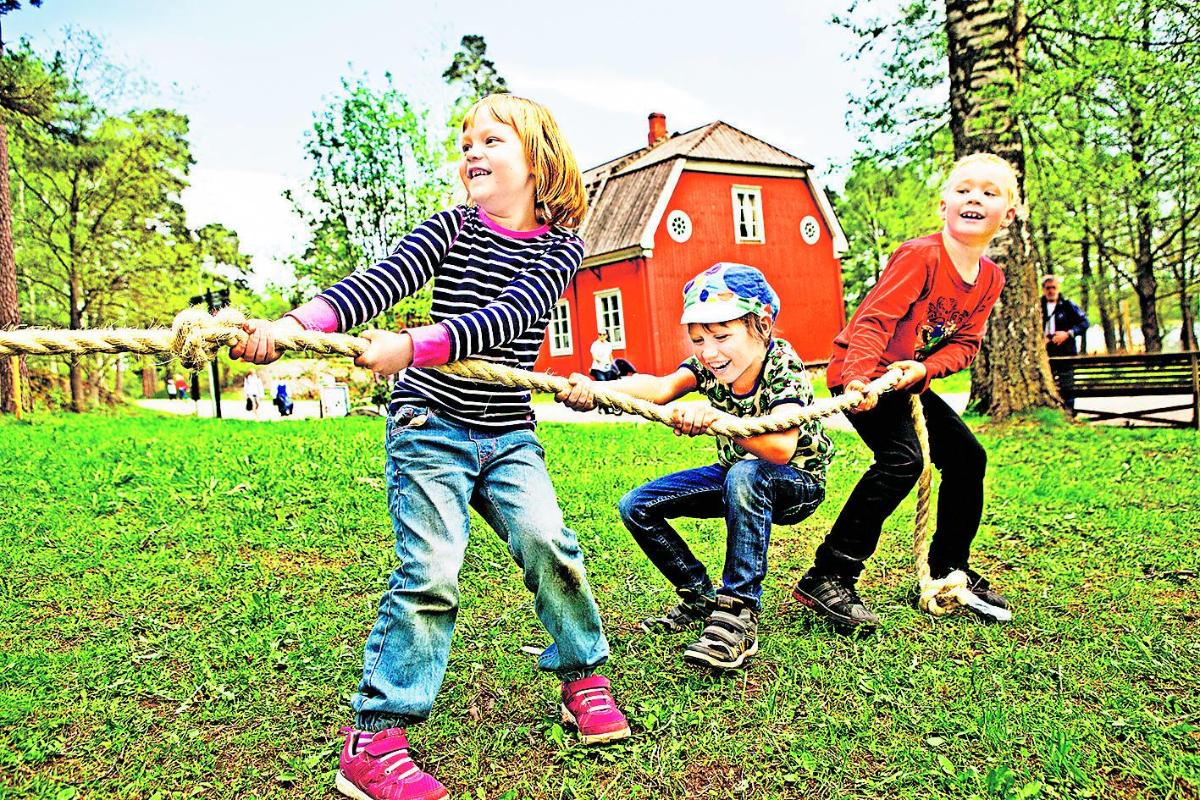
(661,214)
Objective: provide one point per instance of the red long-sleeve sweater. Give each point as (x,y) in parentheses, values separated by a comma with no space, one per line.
(920,309)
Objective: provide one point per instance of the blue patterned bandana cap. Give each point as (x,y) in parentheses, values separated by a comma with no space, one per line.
(728,291)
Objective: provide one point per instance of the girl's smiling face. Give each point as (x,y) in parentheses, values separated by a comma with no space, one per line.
(730,351)
(495,169)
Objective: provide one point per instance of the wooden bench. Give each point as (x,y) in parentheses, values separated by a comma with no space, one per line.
(1144,375)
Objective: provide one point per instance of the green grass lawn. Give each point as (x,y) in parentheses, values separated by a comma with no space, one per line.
(184,604)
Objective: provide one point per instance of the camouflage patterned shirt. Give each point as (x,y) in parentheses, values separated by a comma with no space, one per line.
(783,380)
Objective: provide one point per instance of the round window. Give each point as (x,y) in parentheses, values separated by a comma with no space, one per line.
(810,230)
(679,226)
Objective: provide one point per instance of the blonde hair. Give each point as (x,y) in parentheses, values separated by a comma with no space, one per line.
(558,196)
(1009,183)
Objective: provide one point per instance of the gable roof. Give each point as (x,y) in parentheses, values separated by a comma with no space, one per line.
(620,208)
(627,195)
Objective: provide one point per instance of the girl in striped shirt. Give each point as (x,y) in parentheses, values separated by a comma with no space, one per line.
(499,264)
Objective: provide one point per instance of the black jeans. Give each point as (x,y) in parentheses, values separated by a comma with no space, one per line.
(888,430)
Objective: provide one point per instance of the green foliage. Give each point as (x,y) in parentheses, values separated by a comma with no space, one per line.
(100,235)
(1106,106)
(883,205)
(99,228)
(185,603)
(904,103)
(28,85)
(473,73)
(377,172)
(13,5)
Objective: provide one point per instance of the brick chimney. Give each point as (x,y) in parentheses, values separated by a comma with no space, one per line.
(658,128)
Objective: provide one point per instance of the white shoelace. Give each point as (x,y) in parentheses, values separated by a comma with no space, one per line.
(589,696)
(394,759)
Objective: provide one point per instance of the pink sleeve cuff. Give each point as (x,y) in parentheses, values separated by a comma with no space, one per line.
(316,315)
(431,345)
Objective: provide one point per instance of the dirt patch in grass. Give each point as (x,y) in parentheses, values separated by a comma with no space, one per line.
(1120,785)
(291,562)
(714,778)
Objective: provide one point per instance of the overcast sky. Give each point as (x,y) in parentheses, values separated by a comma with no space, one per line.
(249,75)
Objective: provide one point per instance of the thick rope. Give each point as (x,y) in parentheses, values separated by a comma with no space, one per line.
(196,336)
(938,596)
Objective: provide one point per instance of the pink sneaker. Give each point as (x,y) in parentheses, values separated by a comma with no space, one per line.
(377,767)
(588,704)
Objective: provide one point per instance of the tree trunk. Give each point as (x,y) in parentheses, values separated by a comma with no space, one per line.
(10,308)
(1085,263)
(1187,335)
(149,379)
(986,53)
(1145,284)
(1124,336)
(1187,317)
(1104,300)
(77,400)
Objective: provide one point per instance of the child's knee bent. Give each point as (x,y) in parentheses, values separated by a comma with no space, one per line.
(746,482)
(904,471)
(633,510)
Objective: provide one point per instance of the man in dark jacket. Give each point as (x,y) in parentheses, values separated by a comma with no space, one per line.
(1062,322)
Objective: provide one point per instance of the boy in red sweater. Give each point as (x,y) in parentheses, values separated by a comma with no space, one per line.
(926,315)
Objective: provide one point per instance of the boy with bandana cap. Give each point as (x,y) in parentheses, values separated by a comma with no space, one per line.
(744,371)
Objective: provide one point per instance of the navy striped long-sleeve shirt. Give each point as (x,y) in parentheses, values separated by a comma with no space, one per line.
(493,290)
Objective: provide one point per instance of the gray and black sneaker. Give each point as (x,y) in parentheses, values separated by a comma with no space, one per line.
(690,611)
(835,599)
(979,586)
(730,636)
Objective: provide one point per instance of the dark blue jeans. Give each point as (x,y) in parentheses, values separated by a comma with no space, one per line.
(750,495)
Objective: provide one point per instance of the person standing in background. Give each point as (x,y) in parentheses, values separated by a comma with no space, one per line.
(252,389)
(1062,322)
(603,368)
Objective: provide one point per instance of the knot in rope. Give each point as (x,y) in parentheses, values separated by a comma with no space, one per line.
(941,595)
(196,335)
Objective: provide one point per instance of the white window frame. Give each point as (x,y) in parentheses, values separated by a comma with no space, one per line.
(754,195)
(560,329)
(604,321)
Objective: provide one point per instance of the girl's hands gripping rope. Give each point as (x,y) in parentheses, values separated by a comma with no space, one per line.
(388,352)
(259,345)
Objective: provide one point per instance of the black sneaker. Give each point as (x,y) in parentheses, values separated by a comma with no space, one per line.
(691,610)
(730,636)
(835,599)
(979,586)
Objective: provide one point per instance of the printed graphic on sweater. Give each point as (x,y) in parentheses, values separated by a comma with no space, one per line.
(942,320)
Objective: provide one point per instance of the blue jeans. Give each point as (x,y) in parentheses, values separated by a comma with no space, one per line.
(435,468)
(750,495)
